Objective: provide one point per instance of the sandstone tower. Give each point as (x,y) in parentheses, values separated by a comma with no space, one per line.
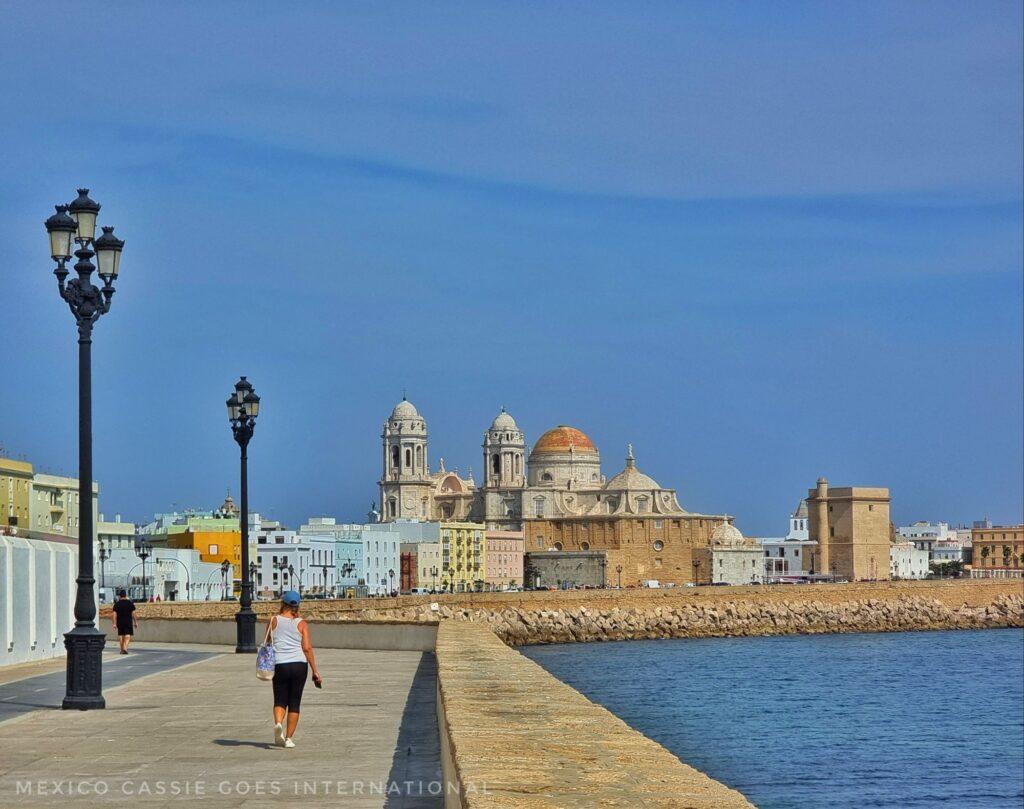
(851,528)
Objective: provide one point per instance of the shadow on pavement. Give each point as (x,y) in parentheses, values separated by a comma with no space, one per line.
(241,743)
(415,777)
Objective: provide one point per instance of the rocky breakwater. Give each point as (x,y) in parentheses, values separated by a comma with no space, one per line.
(735,619)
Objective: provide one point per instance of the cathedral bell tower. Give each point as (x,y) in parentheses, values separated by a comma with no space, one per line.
(504,472)
(405,477)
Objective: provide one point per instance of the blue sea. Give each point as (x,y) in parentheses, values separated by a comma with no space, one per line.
(910,719)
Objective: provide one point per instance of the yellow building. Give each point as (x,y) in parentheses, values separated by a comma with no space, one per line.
(15,485)
(463,556)
(998,552)
(218,539)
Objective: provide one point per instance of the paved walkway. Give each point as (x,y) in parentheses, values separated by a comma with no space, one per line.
(201,733)
(47,690)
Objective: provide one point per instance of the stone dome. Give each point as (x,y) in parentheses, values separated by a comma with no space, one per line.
(728,536)
(405,410)
(503,421)
(558,440)
(631,478)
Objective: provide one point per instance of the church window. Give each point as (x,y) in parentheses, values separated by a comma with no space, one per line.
(538,507)
(546,476)
(419,457)
(496,463)
(558,546)
(394,457)
(585,546)
(658,545)
(408,458)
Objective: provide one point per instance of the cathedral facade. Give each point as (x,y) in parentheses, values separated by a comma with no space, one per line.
(557,495)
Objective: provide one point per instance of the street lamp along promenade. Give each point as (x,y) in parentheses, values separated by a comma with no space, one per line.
(142,550)
(243,408)
(77,223)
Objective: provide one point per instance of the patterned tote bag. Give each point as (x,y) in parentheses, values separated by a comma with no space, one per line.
(266,656)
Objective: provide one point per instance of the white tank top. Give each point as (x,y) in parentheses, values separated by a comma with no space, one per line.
(288,641)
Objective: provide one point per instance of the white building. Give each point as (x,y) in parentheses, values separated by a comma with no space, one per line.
(786,556)
(907,561)
(172,574)
(730,559)
(289,560)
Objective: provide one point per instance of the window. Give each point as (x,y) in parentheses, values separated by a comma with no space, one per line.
(214,549)
(538,507)
(546,477)
(585,546)
(657,523)
(558,546)
(871,507)
(658,545)
(831,530)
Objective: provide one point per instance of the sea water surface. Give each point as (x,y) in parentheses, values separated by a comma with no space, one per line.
(909,719)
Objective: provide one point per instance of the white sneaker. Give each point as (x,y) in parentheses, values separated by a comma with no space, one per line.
(279,735)
(289,743)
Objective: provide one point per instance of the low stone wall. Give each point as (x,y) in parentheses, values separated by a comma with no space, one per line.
(597,615)
(514,737)
(387,636)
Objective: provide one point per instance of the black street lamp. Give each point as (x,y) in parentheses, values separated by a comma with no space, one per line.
(104,555)
(243,408)
(618,572)
(225,566)
(143,550)
(604,572)
(281,565)
(391,575)
(433,576)
(77,222)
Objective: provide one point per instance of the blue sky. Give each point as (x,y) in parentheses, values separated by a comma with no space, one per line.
(762,242)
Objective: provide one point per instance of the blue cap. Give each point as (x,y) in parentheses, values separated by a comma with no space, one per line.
(291,598)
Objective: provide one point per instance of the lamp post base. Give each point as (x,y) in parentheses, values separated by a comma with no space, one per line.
(84,690)
(245,619)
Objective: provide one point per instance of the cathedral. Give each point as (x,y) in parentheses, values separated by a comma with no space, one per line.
(557,496)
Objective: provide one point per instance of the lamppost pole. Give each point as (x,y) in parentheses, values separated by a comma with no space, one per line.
(87,302)
(618,572)
(104,553)
(243,408)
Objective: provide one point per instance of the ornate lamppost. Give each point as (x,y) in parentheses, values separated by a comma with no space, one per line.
(281,565)
(391,575)
(143,551)
(618,573)
(87,302)
(225,566)
(243,408)
(104,555)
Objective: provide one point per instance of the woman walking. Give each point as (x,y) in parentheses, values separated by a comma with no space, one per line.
(294,657)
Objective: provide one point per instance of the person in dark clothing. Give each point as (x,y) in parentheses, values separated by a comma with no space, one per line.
(124,620)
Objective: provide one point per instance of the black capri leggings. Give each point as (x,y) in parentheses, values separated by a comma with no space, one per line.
(289,680)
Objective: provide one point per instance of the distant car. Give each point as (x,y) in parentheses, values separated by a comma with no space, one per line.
(720,583)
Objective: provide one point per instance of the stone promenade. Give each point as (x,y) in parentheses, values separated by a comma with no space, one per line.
(201,733)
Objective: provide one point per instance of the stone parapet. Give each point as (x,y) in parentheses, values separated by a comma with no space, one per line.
(516,737)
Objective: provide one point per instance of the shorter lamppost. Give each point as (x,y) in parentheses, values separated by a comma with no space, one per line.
(433,576)
(104,554)
(618,572)
(225,566)
(696,571)
(281,566)
(604,572)
(391,575)
(291,577)
(143,550)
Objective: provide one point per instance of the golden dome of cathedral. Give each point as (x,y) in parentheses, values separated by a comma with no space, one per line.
(558,440)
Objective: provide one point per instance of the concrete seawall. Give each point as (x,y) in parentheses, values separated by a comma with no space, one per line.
(513,736)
